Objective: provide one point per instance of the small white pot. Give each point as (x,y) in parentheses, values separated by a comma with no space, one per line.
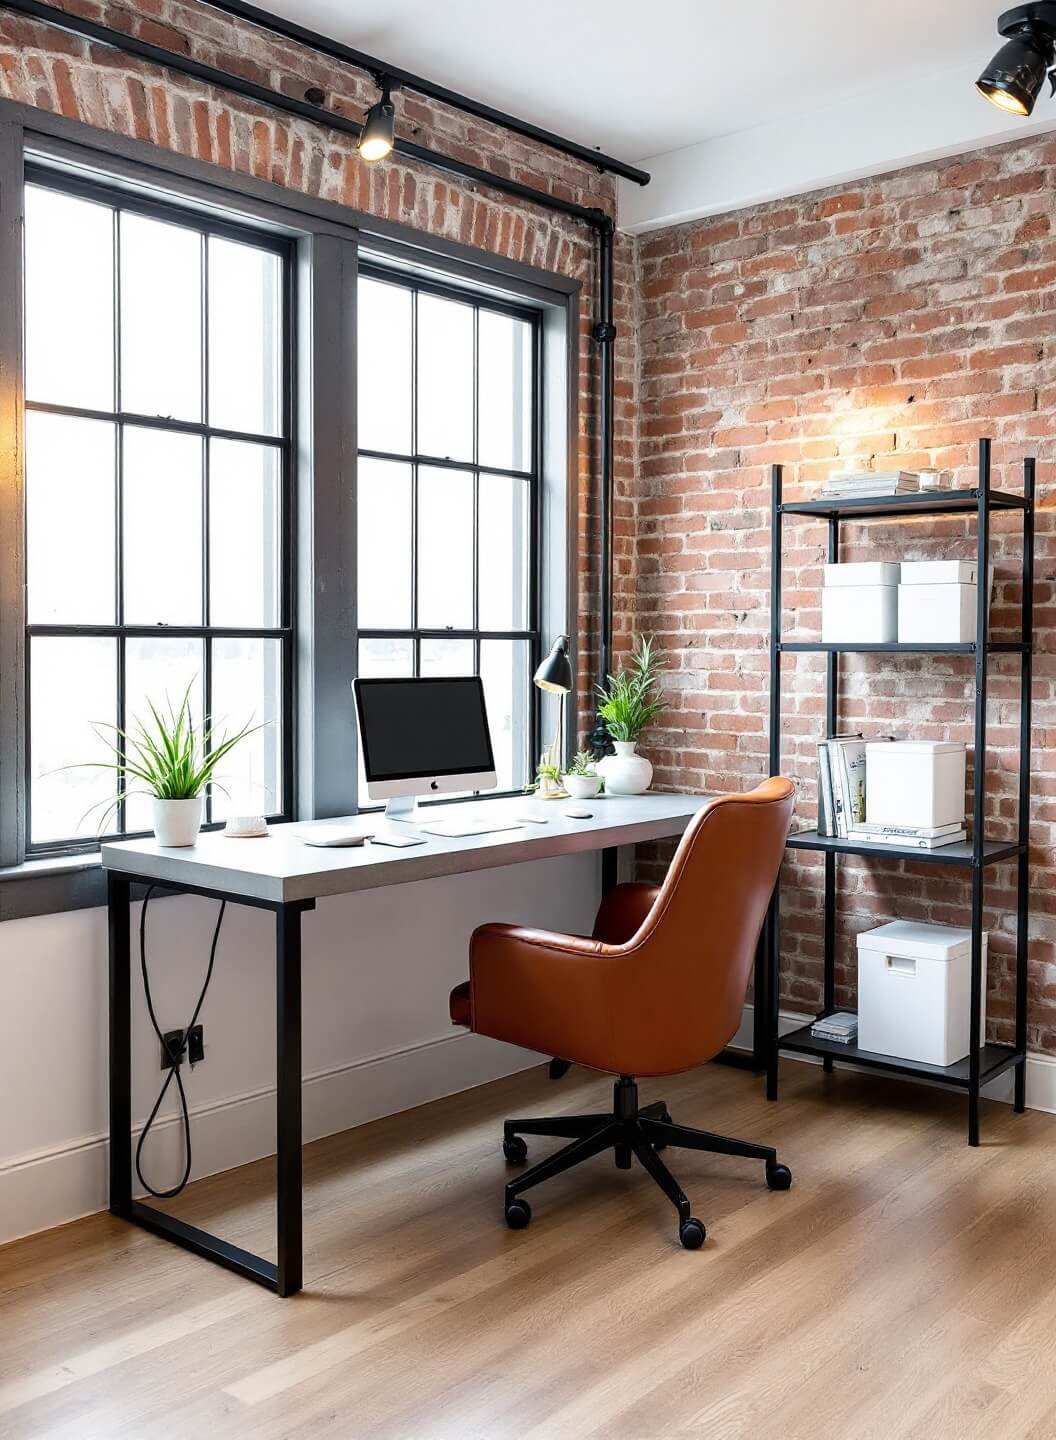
(177,822)
(581,787)
(626,773)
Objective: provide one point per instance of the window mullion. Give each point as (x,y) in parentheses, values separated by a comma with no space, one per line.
(119,516)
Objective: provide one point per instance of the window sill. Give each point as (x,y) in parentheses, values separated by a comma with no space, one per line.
(51,885)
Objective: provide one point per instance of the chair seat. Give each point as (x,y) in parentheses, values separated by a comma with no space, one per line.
(461,1006)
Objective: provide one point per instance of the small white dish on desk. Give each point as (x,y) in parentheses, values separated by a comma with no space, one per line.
(246,827)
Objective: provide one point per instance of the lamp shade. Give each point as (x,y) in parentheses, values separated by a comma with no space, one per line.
(555,673)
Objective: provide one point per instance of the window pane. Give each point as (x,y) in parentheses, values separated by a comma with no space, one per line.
(161,670)
(503,554)
(445,378)
(69,295)
(379,659)
(445,548)
(504,670)
(245,556)
(161,318)
(163,527)
(69,520)
(384,545)
(73,686)
(245,337)
(447,657)
(505,405)
(383,367)
(247,689)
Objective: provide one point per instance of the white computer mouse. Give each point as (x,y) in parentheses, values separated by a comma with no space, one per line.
(577,812)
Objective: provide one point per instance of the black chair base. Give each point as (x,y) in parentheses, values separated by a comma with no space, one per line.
(631,1133)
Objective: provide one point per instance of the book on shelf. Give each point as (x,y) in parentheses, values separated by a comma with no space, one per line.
(842,784)
(915,832)
(827,796)
(841,1027)
(912,842)
(870,485)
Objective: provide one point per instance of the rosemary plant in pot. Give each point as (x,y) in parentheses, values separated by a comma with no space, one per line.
(168,757)
(630,700)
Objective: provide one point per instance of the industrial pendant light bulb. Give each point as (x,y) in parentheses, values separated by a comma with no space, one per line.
(1014,78)
(379,128)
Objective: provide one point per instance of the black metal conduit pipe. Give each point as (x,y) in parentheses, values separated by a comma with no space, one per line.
(406,80)
(604,331)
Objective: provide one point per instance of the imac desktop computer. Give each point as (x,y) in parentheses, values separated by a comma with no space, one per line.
(423,737)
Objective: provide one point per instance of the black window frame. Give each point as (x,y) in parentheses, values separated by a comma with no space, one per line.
(206,224)
(477,300)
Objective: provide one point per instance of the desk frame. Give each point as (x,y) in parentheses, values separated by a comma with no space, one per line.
(286,1276)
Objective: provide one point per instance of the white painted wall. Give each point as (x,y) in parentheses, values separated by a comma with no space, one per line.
(833,141)
(377,971)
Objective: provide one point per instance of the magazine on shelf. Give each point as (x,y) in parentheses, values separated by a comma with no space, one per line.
(914,832)
(912,842)
(827,786)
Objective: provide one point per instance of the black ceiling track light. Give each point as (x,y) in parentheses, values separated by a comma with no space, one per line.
(379,127)
(1013,79)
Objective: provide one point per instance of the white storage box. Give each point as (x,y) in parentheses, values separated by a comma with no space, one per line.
(859,604)
(914,992)
(915,782)
(938,572)
(936,614)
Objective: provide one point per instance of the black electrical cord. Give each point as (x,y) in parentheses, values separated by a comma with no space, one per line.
(174,1059)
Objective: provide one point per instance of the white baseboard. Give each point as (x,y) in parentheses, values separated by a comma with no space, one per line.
(48,1188)
(1041,1069)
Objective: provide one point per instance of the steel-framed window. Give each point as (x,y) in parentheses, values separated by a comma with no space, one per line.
(500,503)
(222,501)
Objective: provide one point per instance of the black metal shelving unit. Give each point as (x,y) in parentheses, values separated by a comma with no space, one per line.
(984,1062)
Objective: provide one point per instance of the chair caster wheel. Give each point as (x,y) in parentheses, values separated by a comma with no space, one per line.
(518,1214)
(778,1177)
(515,1150)
(692,1233)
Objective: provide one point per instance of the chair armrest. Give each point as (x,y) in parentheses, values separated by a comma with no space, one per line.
(539,989)
(623,912)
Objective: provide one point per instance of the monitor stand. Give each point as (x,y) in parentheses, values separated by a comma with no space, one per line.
(403,808)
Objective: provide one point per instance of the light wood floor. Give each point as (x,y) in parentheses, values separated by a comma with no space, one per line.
(905,1286)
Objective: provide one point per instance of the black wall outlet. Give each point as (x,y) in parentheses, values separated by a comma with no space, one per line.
(173,1045)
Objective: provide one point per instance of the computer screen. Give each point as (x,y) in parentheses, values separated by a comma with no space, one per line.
(423,728)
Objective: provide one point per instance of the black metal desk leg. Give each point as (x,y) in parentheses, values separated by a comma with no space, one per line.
(288,1096)
(610,868)
(118,919)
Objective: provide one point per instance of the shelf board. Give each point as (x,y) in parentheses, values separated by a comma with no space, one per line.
(994,1060)
(936,502)
(961,853)
(861,647)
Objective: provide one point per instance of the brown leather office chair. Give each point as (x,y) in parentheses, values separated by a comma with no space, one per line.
(658,989)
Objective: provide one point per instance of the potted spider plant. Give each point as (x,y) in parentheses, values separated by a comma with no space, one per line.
(630,700)
(167,756)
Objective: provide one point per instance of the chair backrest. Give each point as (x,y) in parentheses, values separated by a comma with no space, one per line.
(695,950)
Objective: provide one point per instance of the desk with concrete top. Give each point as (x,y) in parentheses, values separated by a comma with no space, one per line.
(279,872)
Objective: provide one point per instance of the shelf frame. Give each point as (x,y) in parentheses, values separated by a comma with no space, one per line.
(984,1062)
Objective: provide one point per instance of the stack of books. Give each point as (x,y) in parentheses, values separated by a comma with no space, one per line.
(911,837)
(841,784)
(841,1027)
(871,485)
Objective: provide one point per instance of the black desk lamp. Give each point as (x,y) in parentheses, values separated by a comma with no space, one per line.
(555,675)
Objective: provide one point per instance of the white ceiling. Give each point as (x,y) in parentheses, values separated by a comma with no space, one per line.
(727,101)
(640,78)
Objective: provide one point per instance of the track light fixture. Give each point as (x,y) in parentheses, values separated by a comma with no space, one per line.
(1013,79)
(379,128)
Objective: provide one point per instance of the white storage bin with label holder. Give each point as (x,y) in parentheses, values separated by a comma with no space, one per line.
(915,782)
(859,603)
(914,992)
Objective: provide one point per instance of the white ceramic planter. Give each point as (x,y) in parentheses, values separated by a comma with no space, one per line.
(625,773)
(581,787)
(177,822)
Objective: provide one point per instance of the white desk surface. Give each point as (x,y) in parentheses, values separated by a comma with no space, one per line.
(279,867)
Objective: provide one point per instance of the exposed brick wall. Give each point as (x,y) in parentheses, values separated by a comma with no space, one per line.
(894,321)
(49,69)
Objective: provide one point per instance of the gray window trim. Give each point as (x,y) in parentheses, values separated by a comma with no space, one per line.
(328,238)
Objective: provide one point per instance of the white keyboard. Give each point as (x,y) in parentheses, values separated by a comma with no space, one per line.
(455,829)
